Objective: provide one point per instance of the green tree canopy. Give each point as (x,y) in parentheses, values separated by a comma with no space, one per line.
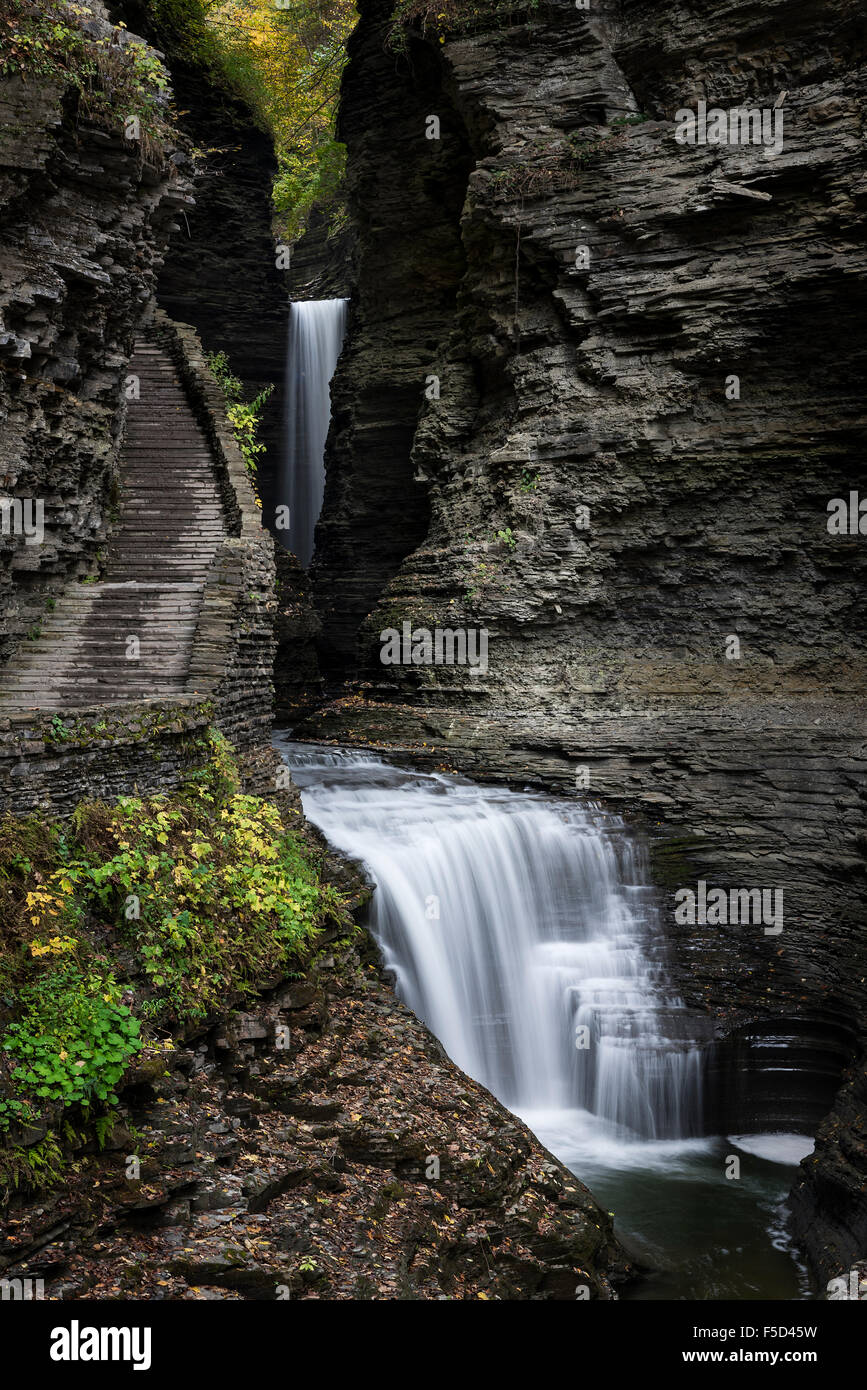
(285,58)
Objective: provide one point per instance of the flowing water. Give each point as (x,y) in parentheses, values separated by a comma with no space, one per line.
(316,329)
(524,932)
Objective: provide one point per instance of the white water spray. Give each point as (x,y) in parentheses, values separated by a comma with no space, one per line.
(519,927)
(316,329)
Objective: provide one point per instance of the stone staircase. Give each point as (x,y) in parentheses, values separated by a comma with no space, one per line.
(170,527)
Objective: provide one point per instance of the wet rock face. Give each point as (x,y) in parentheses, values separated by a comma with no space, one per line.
(319,1146)
(831,1184)
(650,394)
(323,260)
(221,273)
(84,222)
(297,680)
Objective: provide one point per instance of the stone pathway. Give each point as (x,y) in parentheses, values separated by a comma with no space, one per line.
(171,524)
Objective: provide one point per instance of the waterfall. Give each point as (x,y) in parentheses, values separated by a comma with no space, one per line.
(316,329)
(523,931)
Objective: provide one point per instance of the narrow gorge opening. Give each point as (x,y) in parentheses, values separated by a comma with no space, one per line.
(407,260)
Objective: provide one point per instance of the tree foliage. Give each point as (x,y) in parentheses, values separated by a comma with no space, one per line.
(286,63)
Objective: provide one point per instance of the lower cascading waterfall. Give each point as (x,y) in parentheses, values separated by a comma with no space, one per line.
(524,933)
(316,331)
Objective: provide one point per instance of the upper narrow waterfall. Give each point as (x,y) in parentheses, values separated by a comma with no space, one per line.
(523,932)
(316,329)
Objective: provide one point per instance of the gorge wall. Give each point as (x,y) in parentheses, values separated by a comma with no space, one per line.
(375,510)
(85,217)
(589,486)
(531,434)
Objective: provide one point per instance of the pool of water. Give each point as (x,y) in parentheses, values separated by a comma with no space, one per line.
(697,1233)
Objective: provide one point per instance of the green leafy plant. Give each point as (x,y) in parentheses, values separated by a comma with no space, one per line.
(153,911)
(308,178)
(73,1037)
(244,416)
(115,79)
(222,893)
(507,538)
(14,1111)
(60,731)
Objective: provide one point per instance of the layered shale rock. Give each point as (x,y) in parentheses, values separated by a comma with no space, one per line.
(649,358)
(831,1182)
(405,193)
(85,215)
(222,274)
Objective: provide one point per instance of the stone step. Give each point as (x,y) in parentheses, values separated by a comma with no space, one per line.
(118,680)
(150,635)
(72,685)
(170,528)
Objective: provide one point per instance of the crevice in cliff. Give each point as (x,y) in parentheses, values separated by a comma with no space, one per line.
(376,508)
